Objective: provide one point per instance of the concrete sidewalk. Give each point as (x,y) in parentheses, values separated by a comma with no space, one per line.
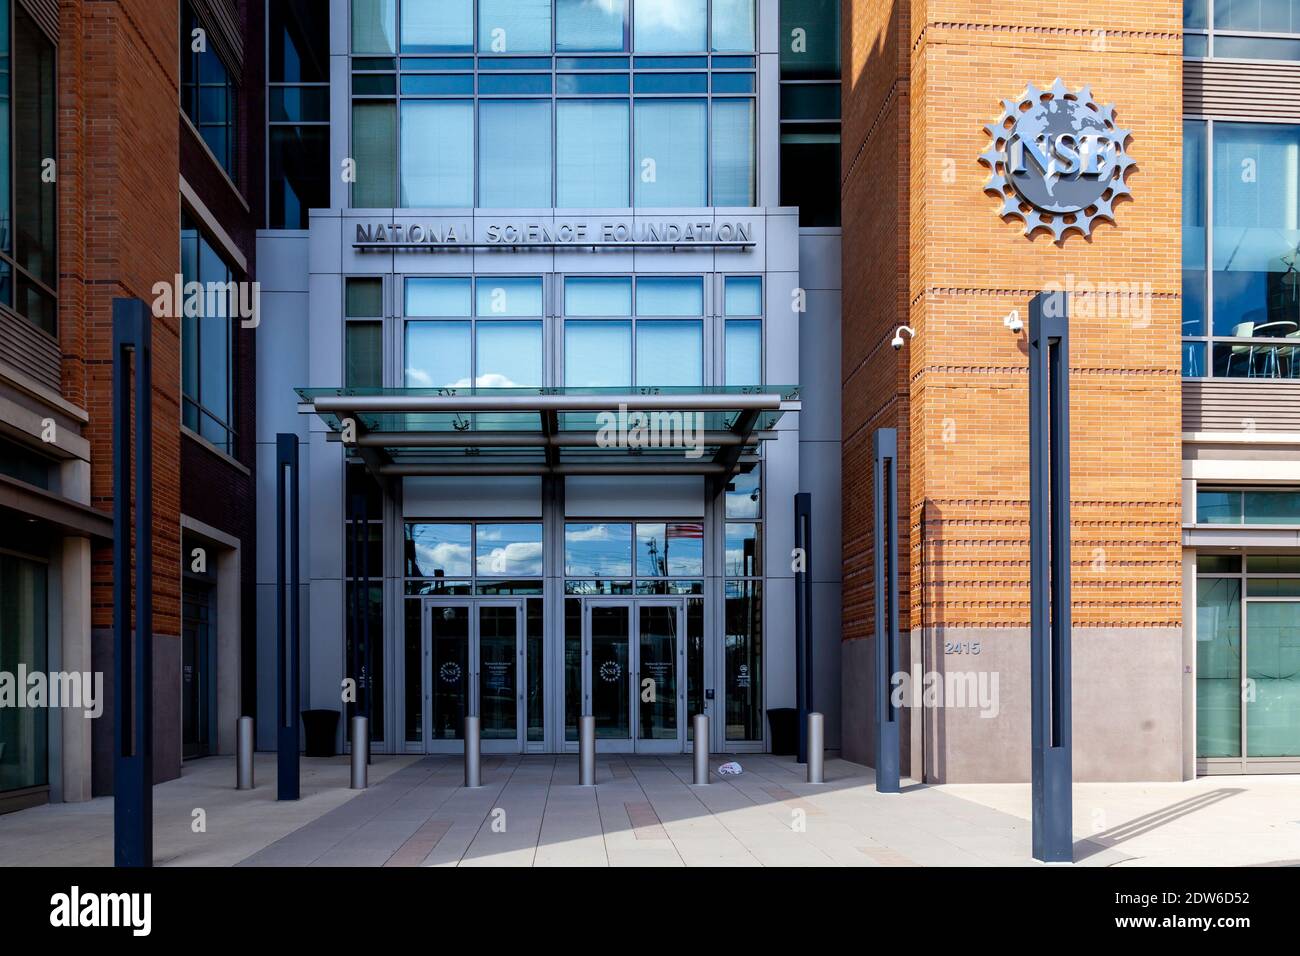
(644,812)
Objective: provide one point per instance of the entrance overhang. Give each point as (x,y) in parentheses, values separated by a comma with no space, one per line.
(407,432)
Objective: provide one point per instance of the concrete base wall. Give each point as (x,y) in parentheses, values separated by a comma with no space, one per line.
(1128,703)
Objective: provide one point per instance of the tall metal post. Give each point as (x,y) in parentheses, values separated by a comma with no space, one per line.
(287,625)
(1049,561)
(885,488)
(803,601)
(362,655)
(132,648)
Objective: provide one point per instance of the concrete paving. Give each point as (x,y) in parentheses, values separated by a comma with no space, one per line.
(645,812)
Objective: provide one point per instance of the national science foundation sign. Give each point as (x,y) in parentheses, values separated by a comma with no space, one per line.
(450,235)
(1058,160)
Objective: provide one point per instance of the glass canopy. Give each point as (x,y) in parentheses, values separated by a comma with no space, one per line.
(713,431)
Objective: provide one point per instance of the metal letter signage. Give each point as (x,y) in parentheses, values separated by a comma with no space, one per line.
(1058,159)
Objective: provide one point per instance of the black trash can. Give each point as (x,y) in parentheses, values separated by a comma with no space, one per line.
(319,727)
(783,730)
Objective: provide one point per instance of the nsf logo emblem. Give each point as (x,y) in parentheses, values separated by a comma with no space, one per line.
(1058,159)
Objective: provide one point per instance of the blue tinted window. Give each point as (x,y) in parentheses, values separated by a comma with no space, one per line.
(598,550)
(735,175)
(597,295)
(437,26)
(583,26)
(671,83)
(591,63)
(1195,180)
(374,26)
(743,295)
(1195,16)
(670,550)
(437,153)
(437,355)
(1264,16)
(592,153)
(1256,48)
(426,63)
(670,353)
(744,352)
(670,153)
(597,354)
(591,83)
(733,25)
(437,550)
(509,355)
(514,84)
(514,153)
(733,82)
(417,84)
(508,296)
(511,550)
(671,26)
(514,26)
(436,296)
(514,63)
(670,295)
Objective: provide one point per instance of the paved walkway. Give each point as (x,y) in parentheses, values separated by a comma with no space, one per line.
(644,812)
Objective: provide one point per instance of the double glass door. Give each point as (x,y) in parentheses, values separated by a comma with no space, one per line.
(634,662)
(474,653)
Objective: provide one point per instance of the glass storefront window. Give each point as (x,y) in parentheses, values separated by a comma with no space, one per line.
(671,148)
(672,549)
(437,550)
(744,555)
(437,154)
(744,499)
(508,550)
(598,550)
(670,26)
(24,642)
(414,648)
(1218,667)
(743,622)
(1273,668)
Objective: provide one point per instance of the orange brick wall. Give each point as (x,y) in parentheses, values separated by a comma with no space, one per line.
(924,244)
(118,235)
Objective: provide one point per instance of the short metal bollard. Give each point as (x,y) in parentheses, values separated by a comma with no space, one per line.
(816,746)
(701,749)
(587,751)
(360,752)
(244,753)
(473,753)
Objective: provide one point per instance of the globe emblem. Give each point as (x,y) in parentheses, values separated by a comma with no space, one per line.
(1058,160)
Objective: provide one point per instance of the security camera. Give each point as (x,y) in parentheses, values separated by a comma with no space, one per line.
(1012,321)
(897,342)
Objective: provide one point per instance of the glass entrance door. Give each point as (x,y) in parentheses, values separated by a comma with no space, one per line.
(634,656)
(1272,698)
(475,654)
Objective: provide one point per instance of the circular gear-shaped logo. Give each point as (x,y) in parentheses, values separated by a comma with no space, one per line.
(1058,160)
(449,672)
(610,671)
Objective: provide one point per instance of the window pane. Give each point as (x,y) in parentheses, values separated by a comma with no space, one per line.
(24,644)
(591,295)
(514,26)
(1194,360)
(437,550)
(743,620)
(744,496)
(508,296)
(744,352)
(1218,507)
(298,45)
(670,353)
(733,26)
(810,101)
(583,26)
(1273,564)
(374,26)
(1272,507)
(598,550)
(299,104)
(593,154)
(515,84)
(509,355)
(364,359)
(509,550)
(35,214)
(514,153)
(438,153)
(374,147)
(364,298)
(743,295)
(420,84)
(1272,665)
(1196,44)
(675,549)
(744,556)
(436,296)
(437,354)
(670,26)
(810,39)
(437,26)
(597,354)
(1194,14)
(670,295)
(1265,16)
(734,172)
(1195,180)
(670,151)
(810,172)
(299,174)
(1218,667)
(1256,48)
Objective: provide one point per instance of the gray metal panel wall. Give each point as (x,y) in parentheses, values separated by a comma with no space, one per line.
(1233,405)
(1237,90)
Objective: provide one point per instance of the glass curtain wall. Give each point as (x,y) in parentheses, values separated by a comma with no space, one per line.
(24,739)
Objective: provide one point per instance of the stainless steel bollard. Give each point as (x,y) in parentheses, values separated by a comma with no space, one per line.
(473,753)
(360,752)
(701,750)
(816,737)
(244,753)
(587,751)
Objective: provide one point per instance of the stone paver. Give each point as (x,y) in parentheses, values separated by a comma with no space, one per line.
(644,811)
